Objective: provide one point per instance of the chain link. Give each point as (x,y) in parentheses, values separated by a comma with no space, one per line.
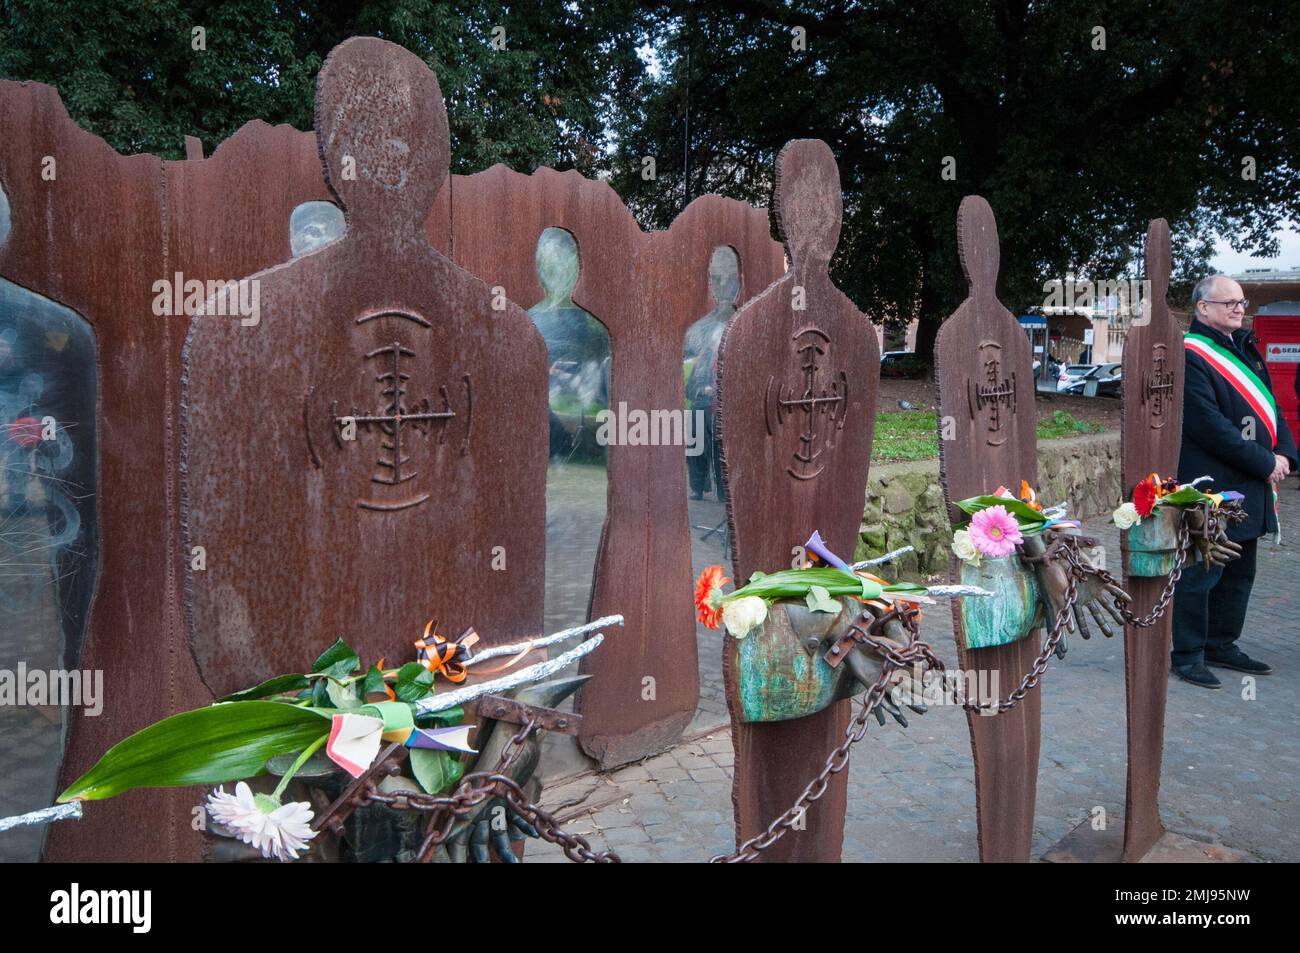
(915,652)
(477,787)
(1055,632)
(473,790)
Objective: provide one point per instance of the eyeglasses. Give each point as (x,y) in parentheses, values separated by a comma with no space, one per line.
(1242,303)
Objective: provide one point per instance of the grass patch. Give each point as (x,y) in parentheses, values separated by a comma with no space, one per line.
(1064,424)
(907,435)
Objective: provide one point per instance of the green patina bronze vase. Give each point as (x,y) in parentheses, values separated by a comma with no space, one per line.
(1011,613)
(782,672)
(1151,547)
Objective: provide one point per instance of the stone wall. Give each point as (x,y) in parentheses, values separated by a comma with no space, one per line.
(905,502)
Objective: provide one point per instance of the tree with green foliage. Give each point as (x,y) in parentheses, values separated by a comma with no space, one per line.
(1078,120)
(541,93)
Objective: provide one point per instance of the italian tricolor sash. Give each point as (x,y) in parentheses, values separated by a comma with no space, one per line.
(1245,382)
(1241,377)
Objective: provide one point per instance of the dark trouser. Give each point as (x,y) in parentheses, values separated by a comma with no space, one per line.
(1210,607)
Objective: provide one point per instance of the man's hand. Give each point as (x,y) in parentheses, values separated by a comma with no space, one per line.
(1281,469)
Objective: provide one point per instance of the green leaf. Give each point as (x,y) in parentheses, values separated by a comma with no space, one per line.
(320,697)
(796,583)
(1023,512)
(1184,496)
(819,600)
(374,682)
(337,661)
(441,719)
(414,682)
(213,745)
(906,589)
(343,694)
(435,770)
(272,686)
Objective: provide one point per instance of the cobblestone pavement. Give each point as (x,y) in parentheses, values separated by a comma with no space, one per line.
(1231,765)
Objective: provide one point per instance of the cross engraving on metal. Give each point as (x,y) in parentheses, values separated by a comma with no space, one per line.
(822,406)
(996,393)
(1157,386)
(392,421)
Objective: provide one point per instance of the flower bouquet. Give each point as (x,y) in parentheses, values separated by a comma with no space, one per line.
(1004,530)
(340,708)
(791,630)
(1154,521)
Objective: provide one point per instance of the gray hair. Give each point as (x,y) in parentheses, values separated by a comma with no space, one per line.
(1202,290)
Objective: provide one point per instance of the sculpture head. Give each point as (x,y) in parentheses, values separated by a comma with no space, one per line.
(724,277)
(557,264)
(782,668)
(314,224)
(382,131)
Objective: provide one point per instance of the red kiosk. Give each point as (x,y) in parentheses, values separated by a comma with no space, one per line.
(1279,336)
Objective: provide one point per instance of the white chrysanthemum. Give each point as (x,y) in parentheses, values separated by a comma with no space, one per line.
(741,615)
(964,547)
(277,830)
(1126,516)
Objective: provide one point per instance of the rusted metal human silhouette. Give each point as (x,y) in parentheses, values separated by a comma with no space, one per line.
(372,452)
(646,288)
(986,422)
(798,375)
(1152,434)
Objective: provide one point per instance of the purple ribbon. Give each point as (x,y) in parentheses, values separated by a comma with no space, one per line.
(440,739)
(818,546)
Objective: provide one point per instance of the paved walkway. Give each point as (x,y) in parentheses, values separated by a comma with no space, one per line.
(1231,766)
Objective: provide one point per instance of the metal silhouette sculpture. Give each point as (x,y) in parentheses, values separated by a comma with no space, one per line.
(373,450)
(798,375)
(984,385)
(646,288)
(1152,435)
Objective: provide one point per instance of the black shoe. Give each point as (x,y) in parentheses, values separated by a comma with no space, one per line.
(1197,675)
(1239,661)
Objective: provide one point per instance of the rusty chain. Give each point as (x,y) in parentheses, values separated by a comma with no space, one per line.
(916,651)
(480,786)
(1166,594)
(475,788)
(1055,632)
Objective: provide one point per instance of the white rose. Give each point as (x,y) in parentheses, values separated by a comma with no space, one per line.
(964,547)
(1126,516)
(741,615)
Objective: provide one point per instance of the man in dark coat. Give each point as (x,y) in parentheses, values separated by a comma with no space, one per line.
(1228,435)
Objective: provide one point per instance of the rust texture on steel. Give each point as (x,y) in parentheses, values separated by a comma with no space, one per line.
(1152,403)
(198,220)
(798,376)
(91,238)
(985,390)
(353,462)
(646,289)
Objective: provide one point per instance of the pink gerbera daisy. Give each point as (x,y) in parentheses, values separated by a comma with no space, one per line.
(995,532)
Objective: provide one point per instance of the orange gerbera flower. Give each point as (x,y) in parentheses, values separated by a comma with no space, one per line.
(1027,495)
(708,593)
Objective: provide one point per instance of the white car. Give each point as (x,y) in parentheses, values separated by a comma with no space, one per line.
(1073,372)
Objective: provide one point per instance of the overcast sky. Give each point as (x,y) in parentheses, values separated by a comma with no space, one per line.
(1230,262)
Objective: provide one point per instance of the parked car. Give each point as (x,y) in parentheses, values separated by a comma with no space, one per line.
(1108,379)
(1072,372)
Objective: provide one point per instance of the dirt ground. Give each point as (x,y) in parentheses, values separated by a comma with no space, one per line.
(920,394)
